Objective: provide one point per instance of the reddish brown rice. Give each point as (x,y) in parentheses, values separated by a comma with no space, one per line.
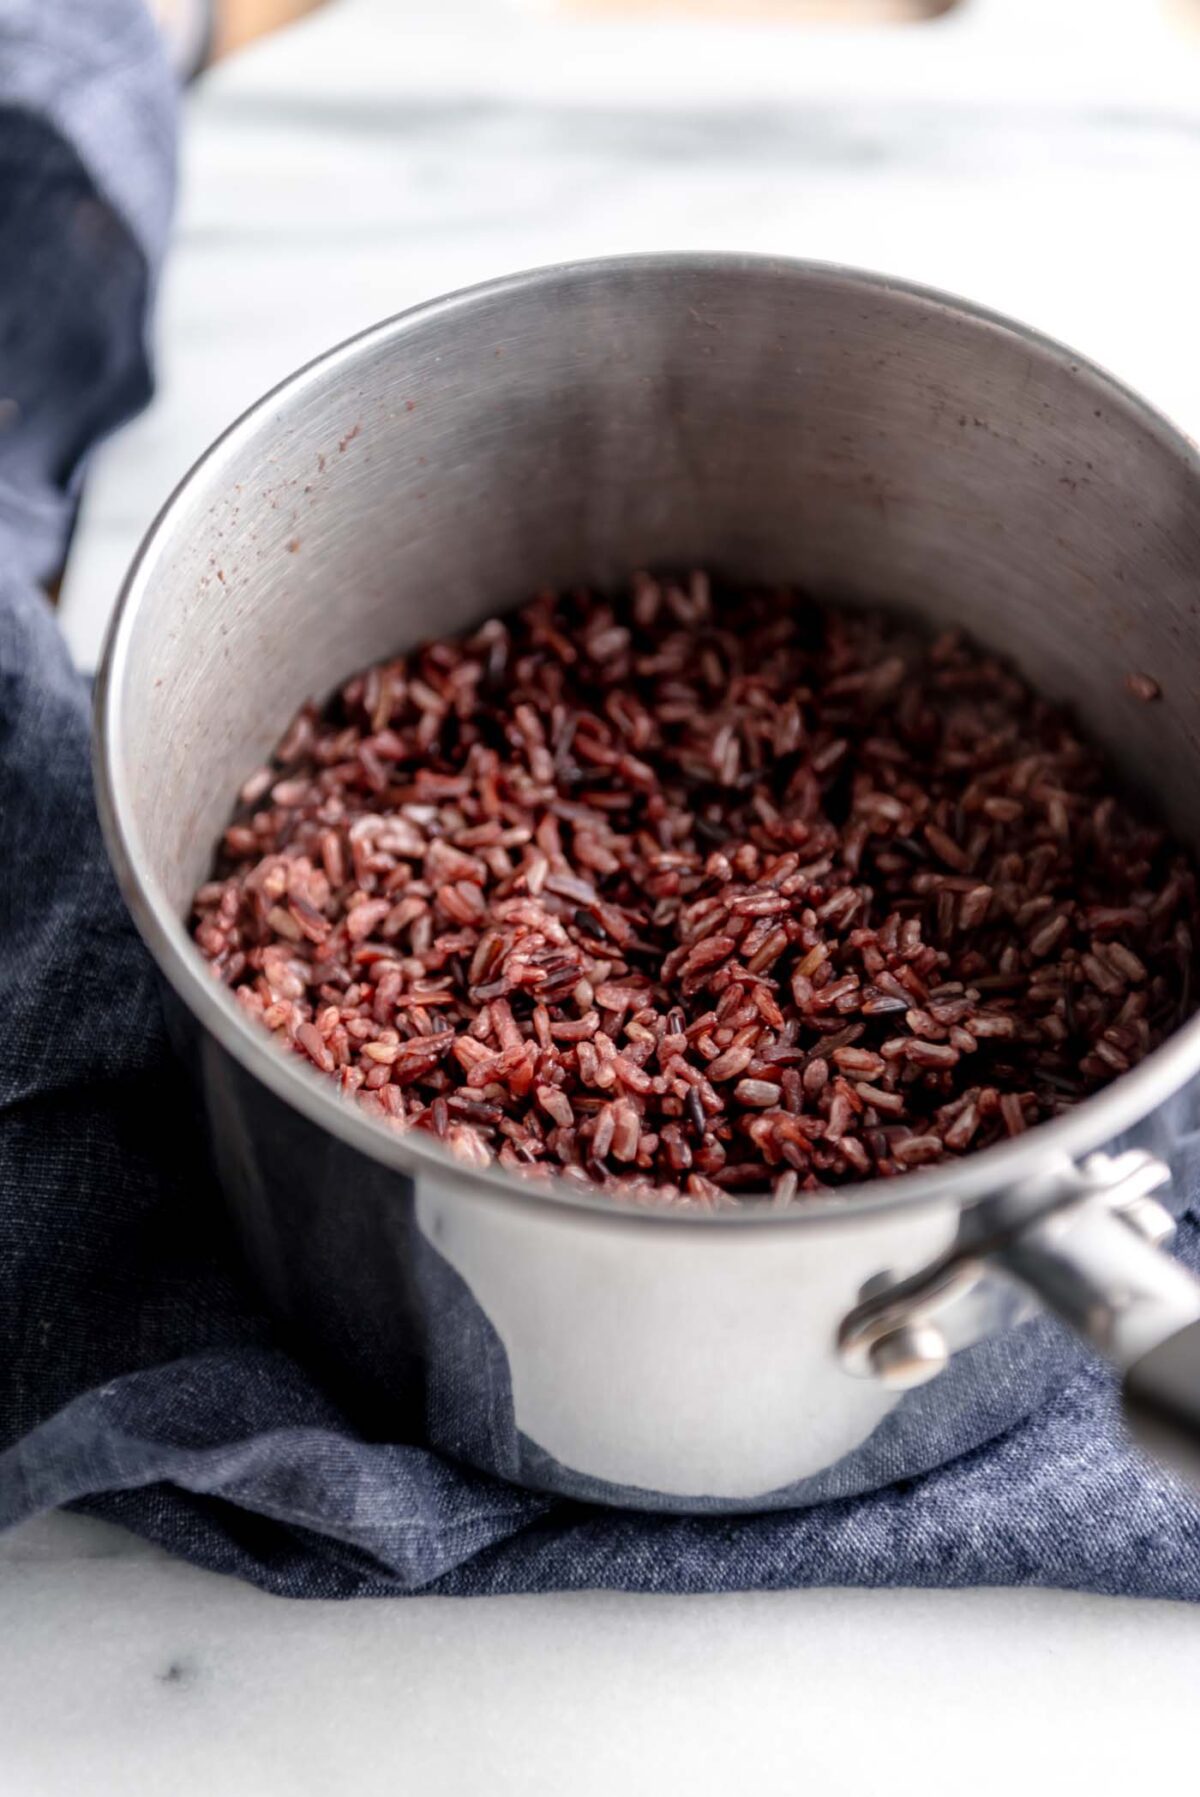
(716,898)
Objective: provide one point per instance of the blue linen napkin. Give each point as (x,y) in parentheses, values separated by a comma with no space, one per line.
(138,1378)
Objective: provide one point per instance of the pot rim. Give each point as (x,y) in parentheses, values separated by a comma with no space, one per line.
(1087,1126)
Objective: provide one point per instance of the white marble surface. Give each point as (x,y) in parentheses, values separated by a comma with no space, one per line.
(376,155)
(122,1672)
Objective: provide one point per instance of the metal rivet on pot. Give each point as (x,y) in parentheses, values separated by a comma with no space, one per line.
(908,1356)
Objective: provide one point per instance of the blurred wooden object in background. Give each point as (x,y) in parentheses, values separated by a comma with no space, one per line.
(238,22)
(222,26)
(807,12)
(200,31)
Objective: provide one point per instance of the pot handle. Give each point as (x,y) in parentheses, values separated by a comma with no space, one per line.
(1089,1243)
(1161,1400)
(1102,1267)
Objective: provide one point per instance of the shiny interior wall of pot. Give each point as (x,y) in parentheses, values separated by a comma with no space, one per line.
(766,420)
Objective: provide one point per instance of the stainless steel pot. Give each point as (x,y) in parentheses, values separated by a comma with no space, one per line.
(768,420)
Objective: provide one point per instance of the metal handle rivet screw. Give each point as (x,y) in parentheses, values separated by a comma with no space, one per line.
(908,1356)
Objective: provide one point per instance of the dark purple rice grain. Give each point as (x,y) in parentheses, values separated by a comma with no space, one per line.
(694,907)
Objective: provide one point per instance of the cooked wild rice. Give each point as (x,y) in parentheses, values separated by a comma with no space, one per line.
(715,898)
